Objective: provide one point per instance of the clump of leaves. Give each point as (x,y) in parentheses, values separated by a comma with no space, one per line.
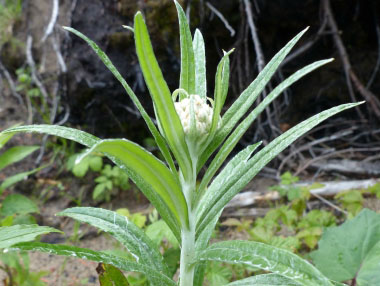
(190,210)
(109,180)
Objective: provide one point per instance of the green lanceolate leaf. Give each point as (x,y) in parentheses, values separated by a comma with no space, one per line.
(237,134)
(342,250)
(4,138)
(225,187)
(246,99)
(152,128)
(158,278)
(8,182)
(122,229)
(76,135)
(160,93)
(200,64)
(221,89)
(205,201)
(15,154)
(111,276)
(265,257)
(187,77)
(265,280)
(153,178)
(10,235)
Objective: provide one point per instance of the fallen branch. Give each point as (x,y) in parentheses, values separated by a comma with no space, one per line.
(349,167)
(329,189)
(248,212)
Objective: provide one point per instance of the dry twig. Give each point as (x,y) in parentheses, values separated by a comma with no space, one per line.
(53,20)
(222,18)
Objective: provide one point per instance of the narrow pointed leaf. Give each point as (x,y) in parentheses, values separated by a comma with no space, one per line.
(246,99)
(265,280)
(265,257)
(4,138)
(9,181)
(237,134)
(187,77)
(160,93)
(15,154)
(152,128)
(122,229)
(153,178)
(10,235)
(221,89)
(76,135)
(158,278)
(225,175)
(225,187)
(200,64)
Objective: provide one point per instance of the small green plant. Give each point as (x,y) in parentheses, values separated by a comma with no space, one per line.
(351,200)
(302,228)
(18,209)
(110,178)
(189,131)
(17,267)
(11,156)
(25,83)
(297,195)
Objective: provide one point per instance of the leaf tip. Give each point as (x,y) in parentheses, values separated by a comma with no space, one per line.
(128,28)
(138,15)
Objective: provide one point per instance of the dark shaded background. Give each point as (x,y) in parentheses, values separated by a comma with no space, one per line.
(90,97)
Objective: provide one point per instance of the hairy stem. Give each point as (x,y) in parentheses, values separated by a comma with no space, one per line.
(187,254)
(186,274)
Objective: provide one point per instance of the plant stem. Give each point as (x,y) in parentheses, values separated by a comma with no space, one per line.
(187,255)
(186,272)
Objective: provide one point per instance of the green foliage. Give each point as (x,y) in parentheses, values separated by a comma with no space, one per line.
(17,209)
(189,213)
(11,156)
(110,179)
(111,276)
(16,266)
(265,280)
(93,162)
(375,189)
(351,200)
(351,250)
(265,257)
(10,235)
(10,12)
(218,274)
(15,154)
(159,231)
(25,83)
(137,218)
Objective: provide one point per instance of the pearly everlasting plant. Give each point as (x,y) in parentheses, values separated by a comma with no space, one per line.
(190,129)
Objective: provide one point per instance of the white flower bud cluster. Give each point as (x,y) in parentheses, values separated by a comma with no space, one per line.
(203,114)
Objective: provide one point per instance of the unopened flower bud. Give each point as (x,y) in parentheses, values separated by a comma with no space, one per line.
(202,111)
